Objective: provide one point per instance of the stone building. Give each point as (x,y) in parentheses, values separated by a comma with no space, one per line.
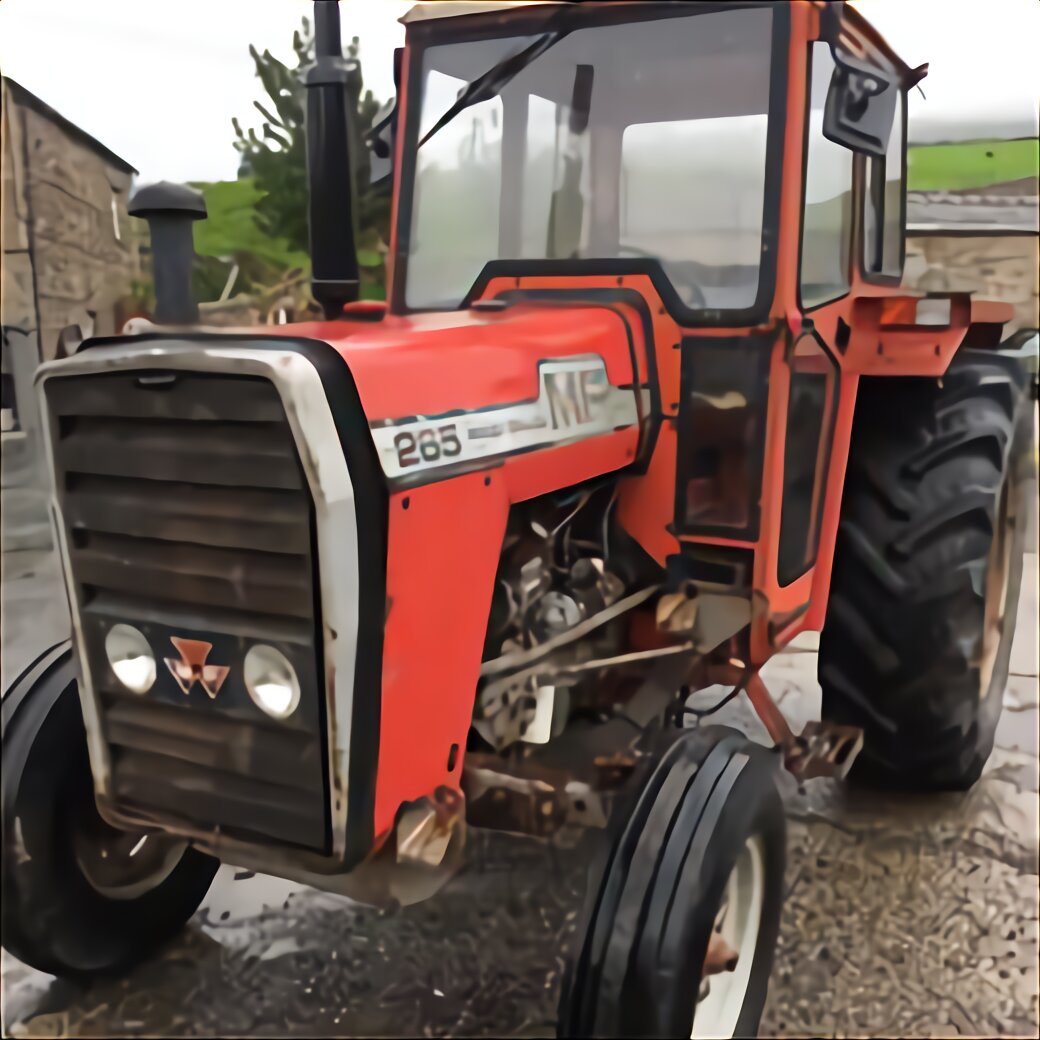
(67,260)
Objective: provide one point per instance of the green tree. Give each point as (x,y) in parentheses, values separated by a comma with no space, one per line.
(275,158)
(231,237)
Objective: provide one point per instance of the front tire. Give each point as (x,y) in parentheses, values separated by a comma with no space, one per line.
(79,896)
(697,853)
(927,571)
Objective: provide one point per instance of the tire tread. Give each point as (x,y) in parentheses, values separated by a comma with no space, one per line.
(926,469)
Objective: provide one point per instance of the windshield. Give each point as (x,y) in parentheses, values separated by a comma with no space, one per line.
(639,140)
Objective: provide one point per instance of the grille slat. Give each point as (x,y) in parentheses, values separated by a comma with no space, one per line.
(252,401)
(223,745)
(115,605)
(163,459)
(211,799)
(196,500)
(98,570)
(271,584)
(178,519)
(274,569)
(188,515)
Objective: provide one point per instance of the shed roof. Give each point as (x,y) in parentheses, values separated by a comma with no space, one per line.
(25,97)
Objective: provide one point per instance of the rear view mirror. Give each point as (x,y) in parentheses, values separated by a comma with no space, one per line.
(380,141)
(380,136)
(861,105)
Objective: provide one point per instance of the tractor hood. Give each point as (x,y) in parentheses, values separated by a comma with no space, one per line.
(217,490)
(429,364)
(439,392)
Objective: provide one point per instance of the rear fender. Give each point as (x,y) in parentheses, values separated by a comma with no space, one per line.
(908,335)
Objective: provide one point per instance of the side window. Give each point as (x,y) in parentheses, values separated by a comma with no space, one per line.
(457,187)
(725,387)
(884,214)
(700,211)
(810,422)
(827,220)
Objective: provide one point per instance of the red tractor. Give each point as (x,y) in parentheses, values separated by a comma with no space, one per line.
(645,403)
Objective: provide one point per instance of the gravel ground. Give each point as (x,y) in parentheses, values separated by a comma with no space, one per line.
(904,917)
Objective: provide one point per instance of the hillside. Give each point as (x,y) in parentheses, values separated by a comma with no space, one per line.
(972,164)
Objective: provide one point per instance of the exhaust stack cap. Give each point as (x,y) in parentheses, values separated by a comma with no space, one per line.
(170,210)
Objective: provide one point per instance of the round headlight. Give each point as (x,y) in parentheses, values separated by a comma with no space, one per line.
(131,657)
(271,681)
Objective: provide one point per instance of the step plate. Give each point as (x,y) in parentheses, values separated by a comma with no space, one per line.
(823,749)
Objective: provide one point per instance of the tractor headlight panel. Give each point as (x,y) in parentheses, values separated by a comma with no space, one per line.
(130,657)
(271,681)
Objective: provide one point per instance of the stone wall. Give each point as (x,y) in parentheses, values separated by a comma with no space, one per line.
(995,267)
(65,217)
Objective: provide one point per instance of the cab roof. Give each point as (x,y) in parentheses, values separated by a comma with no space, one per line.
(451,8)
(855,28)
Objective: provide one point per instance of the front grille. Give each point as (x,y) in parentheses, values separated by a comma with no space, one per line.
(187,514)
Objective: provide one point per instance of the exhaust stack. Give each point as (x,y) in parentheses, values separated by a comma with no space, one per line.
(170,210)
(330,173)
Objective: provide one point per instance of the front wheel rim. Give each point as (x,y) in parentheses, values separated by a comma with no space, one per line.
(738,922)
(120,864)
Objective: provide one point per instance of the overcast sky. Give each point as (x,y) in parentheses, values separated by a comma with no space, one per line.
(158,81)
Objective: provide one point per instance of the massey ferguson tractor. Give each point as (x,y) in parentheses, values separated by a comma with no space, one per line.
(646,401)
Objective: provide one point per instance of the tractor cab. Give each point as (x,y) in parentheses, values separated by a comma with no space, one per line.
(662,139)
(734,176)
(635,136)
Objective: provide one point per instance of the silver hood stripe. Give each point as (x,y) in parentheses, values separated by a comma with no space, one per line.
(575,401)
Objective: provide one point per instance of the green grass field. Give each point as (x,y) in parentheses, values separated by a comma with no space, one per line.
(971,164)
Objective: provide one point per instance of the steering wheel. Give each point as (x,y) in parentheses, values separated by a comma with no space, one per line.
(693,296)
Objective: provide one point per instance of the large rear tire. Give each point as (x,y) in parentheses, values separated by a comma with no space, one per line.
(696,855)
(927,571)
(79,896)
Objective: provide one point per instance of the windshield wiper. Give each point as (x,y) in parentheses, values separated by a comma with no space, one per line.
(488,85)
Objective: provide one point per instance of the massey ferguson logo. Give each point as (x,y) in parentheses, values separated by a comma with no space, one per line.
(191,667)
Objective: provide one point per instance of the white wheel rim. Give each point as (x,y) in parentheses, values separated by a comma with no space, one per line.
(717,1014)
(998,581)
(124,864)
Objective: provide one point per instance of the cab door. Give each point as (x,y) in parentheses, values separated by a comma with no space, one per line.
(811,400)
